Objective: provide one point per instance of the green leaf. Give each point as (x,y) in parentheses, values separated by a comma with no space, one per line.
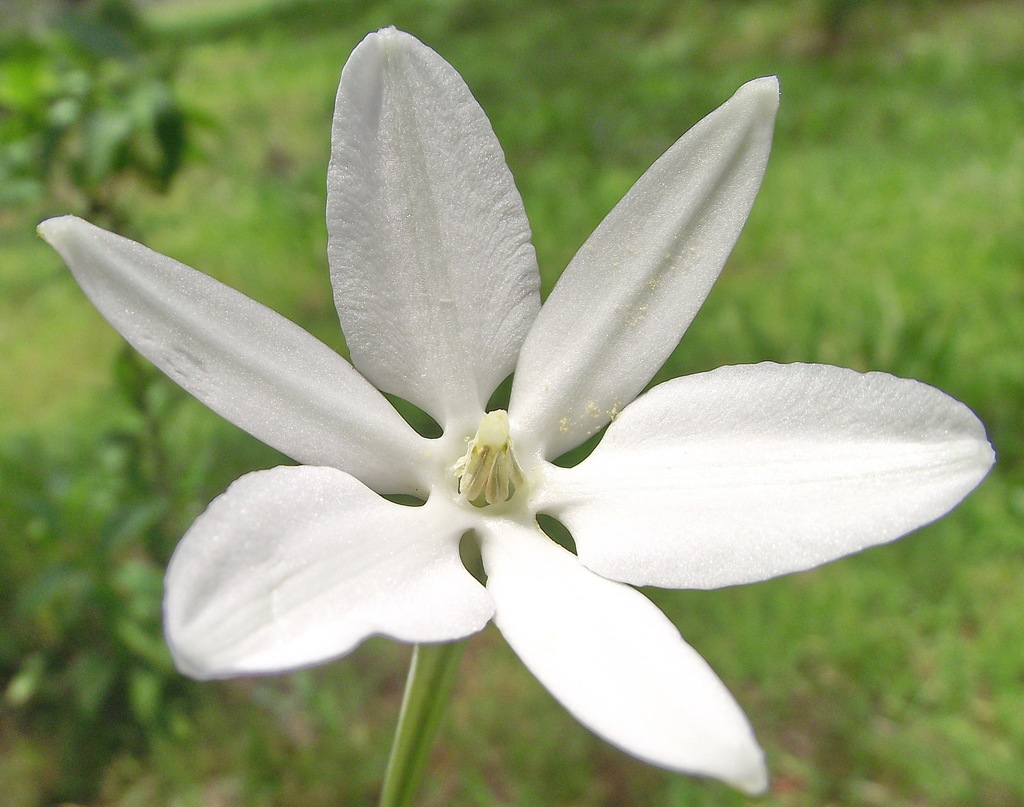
(106,137)
(145,693)
(26,681)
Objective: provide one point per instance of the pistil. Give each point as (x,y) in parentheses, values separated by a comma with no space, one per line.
(488,472)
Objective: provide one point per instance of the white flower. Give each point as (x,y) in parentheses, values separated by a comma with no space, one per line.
(719,478)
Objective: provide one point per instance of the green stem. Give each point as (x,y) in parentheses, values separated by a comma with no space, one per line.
(431,674)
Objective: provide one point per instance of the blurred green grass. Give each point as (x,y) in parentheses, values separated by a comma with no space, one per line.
(889,234)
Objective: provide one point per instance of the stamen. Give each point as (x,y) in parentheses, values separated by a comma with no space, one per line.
(488,472)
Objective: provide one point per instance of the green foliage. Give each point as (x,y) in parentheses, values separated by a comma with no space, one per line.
(81,649)
(85,104)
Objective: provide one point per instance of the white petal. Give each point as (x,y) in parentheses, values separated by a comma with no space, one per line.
(434,274)
(625,300)
(615,661)
(247,363)
(749,472)
(295,566)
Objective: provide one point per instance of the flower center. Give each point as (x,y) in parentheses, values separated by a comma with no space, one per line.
(488,472)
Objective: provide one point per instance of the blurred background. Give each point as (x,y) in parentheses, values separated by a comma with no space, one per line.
(889,235)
